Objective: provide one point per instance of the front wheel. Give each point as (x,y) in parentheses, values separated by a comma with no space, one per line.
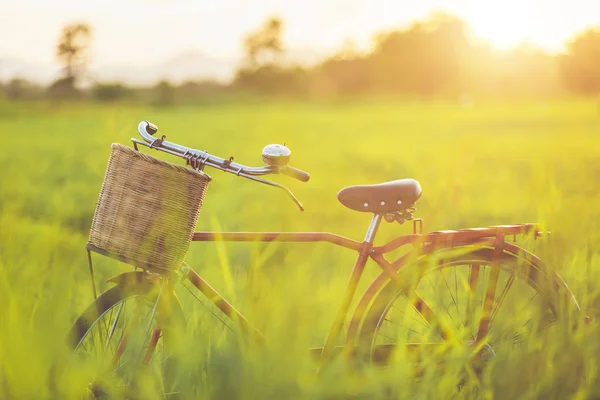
(124,343)
(464,296)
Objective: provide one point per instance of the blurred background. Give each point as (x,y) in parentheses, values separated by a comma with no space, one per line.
(183,51)
(493,106)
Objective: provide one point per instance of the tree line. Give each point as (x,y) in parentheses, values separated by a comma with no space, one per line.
(431,58)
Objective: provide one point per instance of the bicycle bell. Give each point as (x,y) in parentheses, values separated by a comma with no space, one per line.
(276,155)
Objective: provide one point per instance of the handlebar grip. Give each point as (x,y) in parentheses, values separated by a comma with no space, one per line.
(146,128)
(151,128)
(295,173)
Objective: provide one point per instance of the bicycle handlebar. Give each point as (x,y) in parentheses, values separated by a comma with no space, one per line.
(198,159)
(295,173)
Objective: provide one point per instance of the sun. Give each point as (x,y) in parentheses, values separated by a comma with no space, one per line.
(502,27)
(507,24)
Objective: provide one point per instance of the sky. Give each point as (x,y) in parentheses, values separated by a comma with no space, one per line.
(137,33)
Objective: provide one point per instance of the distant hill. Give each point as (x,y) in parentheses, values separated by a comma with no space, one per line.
(13,68)
(188,65)
(185,66)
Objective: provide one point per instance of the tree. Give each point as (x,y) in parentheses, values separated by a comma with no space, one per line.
(263,72)
(110,91)
(580,65)
(425,59)
(264,46)
(72,50)
(16,89)
(346,73)
(273,80)
(21,89)
(164,94)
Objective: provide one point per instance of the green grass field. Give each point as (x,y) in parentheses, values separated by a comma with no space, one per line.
(489,164)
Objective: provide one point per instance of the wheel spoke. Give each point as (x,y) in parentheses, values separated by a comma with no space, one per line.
(450,291)
(120,366)
(488,302)
(514,338)
(382,353)
(83,346)
(128,327)
(423,308)
(530,300)
(109,319)
(102,325)
(456,288)
(387,336)
(424,323)
(215,314)
(403,326)
(442,300)
(473,281)
(114,324)
(522,309)
(502,296)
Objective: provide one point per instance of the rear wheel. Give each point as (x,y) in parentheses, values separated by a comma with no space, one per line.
(125,342)
(461,297)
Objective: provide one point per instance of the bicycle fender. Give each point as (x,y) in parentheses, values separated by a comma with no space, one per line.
(135,277)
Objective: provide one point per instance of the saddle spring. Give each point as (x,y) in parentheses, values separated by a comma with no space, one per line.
(401,216)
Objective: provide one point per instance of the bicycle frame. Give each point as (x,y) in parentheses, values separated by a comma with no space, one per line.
(423,244)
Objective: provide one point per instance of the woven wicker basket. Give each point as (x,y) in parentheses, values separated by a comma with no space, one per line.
(147,210)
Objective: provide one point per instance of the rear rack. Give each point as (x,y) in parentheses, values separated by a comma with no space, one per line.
(461,236)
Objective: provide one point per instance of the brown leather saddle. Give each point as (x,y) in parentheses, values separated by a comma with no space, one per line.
(383,198)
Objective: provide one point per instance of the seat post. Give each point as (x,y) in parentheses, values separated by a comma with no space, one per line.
(372,231)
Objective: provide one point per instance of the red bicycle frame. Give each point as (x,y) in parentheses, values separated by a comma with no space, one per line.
(423,243)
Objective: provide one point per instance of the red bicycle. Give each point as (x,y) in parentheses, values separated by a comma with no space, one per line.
(469,287)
